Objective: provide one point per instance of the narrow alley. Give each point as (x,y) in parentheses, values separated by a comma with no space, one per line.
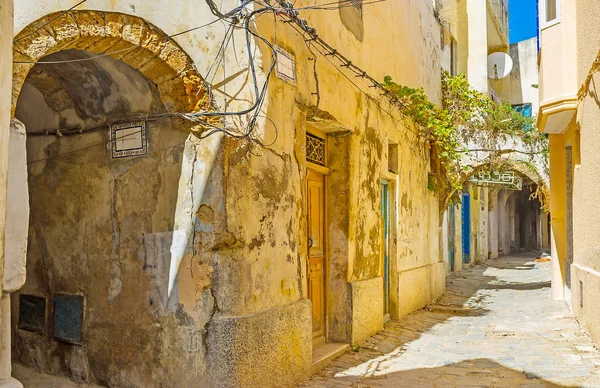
(284,194)
(495,326)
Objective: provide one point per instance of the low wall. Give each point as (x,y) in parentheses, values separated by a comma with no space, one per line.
(268,349)
(367,308)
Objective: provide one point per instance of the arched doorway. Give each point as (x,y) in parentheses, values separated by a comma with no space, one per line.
(104,164)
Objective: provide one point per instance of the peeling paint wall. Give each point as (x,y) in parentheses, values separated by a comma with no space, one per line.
(100,228)
(199,242)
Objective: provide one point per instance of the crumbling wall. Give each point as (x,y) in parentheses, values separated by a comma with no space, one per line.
(102,228)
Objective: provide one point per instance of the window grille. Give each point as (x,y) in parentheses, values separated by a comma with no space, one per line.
(315,149)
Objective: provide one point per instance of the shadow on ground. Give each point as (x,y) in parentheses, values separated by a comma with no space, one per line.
(430,362)
(519,286)
(470,373)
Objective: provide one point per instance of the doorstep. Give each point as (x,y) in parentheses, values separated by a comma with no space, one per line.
(326,353)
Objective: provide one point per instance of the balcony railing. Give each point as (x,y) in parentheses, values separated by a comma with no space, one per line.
(501,11)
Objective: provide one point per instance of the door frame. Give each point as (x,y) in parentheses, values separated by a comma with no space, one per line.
(387,186)
(324,171)
(393,184)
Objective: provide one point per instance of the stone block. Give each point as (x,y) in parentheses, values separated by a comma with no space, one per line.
(367,308)
(269,349)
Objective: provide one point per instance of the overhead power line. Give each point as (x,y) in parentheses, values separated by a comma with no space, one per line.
(241,17)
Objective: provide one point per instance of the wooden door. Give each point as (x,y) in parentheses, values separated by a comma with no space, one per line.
(316,253)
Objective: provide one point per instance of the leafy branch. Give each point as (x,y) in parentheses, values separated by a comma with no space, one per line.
(467,123)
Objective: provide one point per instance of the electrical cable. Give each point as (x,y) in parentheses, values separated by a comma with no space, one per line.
(326,56)
(259,93)
(349,3)
(104,143)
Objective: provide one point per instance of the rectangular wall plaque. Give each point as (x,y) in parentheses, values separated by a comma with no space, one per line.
(128,139)
(68,318)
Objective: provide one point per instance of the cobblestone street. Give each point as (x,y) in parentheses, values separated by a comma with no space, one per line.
(496,326)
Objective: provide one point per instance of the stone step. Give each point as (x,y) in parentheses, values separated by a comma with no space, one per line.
(326,353)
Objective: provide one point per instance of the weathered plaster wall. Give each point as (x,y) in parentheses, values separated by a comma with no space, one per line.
(371,130)
(100,228)
(338,207)
(524,76)
(245,257)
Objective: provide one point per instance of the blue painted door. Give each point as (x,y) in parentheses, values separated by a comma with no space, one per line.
(466,228)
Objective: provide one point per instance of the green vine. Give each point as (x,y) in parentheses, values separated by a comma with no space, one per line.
(467,122)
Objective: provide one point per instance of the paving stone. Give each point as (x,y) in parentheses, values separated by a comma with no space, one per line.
(514,337)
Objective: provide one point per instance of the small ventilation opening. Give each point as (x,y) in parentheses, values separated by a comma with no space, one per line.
(393,158)
(32,313)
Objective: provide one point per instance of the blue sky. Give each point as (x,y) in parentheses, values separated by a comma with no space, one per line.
(522,19)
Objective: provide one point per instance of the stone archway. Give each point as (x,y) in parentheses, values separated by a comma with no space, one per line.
(128,38)
(170,73)
(514,210)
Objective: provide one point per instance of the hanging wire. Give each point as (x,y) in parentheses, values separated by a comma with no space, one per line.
(233,17)
(103,143)
(327,51)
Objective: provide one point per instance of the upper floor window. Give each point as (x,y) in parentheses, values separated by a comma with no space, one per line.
(453,61)
(550,11)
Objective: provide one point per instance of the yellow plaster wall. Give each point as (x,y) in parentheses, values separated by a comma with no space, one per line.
(409,62)
(260,261)
(584,135)
(557,144)
(558,54)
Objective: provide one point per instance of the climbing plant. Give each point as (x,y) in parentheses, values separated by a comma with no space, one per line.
(465,128)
